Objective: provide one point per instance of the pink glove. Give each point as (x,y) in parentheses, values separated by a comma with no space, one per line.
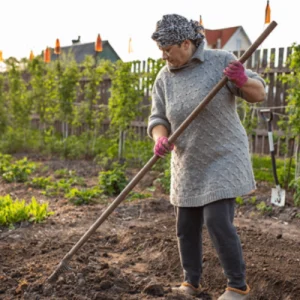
(236,73)
(162,146)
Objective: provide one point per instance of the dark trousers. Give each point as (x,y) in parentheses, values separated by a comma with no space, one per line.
(218,218)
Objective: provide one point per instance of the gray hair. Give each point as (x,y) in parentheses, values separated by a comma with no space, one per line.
(174,29)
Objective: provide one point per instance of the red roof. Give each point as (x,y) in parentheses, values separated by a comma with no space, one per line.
(224,34)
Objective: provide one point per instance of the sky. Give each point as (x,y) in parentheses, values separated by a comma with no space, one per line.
(35,24)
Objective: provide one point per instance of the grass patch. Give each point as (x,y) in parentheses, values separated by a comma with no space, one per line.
(262,168)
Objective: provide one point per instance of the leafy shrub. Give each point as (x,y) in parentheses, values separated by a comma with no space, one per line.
(12,141)
(57,188)
(84,196)
(107,158)
(74,147)
(12,212)
(112,182)
(40,182)
(62,186)
(19,171)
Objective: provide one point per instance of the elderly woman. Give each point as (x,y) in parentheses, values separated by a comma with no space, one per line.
(210,164)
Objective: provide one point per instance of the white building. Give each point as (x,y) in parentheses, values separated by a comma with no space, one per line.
(230,39)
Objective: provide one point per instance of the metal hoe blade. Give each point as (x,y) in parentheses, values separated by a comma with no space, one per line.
(62,267)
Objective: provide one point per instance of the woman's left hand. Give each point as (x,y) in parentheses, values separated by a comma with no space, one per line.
(236,73)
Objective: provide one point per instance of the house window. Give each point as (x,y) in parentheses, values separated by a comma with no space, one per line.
(238,44)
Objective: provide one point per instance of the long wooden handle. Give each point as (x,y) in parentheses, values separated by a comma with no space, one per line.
(153,160)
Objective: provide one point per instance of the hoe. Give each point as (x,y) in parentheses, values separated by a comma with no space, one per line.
(63,265)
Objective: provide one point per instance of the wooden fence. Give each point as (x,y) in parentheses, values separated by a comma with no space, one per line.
(269,63)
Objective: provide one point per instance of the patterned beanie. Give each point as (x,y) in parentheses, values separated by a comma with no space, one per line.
(174,29)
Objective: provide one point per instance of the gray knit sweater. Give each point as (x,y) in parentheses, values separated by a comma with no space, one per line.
(211,158)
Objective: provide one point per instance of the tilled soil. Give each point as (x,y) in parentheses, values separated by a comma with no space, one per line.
(134,255)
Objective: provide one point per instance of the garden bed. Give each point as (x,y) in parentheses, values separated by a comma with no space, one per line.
(133,254)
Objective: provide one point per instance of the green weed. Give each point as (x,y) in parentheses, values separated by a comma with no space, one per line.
(263,208)
(239,200)
(253,200)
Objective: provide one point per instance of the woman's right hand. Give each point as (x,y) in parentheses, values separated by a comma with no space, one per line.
(162,146)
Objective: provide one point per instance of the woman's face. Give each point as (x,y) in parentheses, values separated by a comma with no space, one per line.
(177,55)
